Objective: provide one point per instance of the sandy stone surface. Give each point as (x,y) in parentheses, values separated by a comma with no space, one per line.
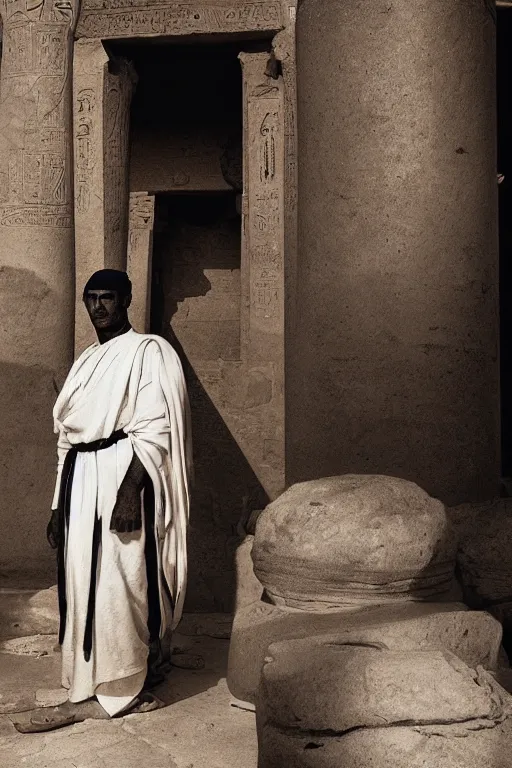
(323,705)
(474,636)
(326,686)
(395,747)
(485,557)
(354,540)
(198,727)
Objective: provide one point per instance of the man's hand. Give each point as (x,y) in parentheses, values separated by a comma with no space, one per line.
(52,530)
(127,514)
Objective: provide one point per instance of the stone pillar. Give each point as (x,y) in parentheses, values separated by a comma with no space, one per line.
(263,209)
(140,254)
(36,266)
(101,115)
(262,258)
(393,360)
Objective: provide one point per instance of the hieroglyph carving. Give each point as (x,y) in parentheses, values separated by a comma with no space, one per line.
(140,249)
(117,97)
(84,147)
(264,192)
(132,18)
(35,186)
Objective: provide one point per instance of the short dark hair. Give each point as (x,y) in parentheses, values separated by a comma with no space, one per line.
(109,280)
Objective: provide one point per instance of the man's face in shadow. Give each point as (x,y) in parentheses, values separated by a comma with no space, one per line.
(107,309)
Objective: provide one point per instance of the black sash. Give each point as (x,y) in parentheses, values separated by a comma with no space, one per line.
(63,514)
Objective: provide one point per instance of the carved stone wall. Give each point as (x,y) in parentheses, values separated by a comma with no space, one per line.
(36,265)
(140,258)
(151,18)
(262,326)
(102,95)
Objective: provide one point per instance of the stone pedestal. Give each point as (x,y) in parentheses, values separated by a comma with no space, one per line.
(354,559)
(140,253)
(393,360)
(36,265)
(102,94)
(474,636)
(324,704)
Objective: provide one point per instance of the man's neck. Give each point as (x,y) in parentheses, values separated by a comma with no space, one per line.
(104,336)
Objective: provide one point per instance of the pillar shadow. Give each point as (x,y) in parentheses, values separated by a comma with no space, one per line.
(226,489)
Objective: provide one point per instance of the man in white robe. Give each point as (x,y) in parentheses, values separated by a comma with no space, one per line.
(120,509)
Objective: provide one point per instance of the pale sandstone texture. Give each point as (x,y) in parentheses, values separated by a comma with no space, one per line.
(365,558)
(485,557)
(392,362)
(316,694)
(354,540)
(248,587)
(474,636)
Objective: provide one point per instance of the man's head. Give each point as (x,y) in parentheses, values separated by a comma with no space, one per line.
(107,296)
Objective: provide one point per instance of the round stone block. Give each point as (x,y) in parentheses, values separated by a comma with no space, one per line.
(354,540)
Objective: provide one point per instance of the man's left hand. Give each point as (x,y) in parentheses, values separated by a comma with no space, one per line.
(127,514)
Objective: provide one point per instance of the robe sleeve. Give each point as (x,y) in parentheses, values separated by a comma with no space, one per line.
(150,423)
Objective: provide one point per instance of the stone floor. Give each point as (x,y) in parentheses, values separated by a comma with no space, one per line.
(199,727)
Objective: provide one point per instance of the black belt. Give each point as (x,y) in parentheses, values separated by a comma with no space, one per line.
(63,513)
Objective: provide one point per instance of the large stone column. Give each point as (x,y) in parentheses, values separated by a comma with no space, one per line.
(102,89)
(36,265)
(393,358)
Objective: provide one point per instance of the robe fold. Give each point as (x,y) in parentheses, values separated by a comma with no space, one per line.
(133,383)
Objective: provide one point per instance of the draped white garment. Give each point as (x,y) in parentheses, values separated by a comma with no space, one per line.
(133,382)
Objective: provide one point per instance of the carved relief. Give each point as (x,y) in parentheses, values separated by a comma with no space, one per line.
(142,211)
(84,147)
(140,249)
(34,112)
(263,207)
(125,18)
(116,121)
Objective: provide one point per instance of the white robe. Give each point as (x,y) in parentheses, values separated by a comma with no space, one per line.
(133,382)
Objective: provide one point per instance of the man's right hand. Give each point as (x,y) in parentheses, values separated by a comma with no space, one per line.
(52,530)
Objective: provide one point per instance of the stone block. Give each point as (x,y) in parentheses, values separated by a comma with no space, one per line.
(485,558)
(354,540)
(395,747)
(321,684)
(248,588)
(474,636)
(325,705)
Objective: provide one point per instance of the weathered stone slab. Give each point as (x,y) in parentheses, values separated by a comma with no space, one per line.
(395,747)
(354,540)
(473,636)
(134,18)
(322,704)
(29,613)
(325,685)
(485,557)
